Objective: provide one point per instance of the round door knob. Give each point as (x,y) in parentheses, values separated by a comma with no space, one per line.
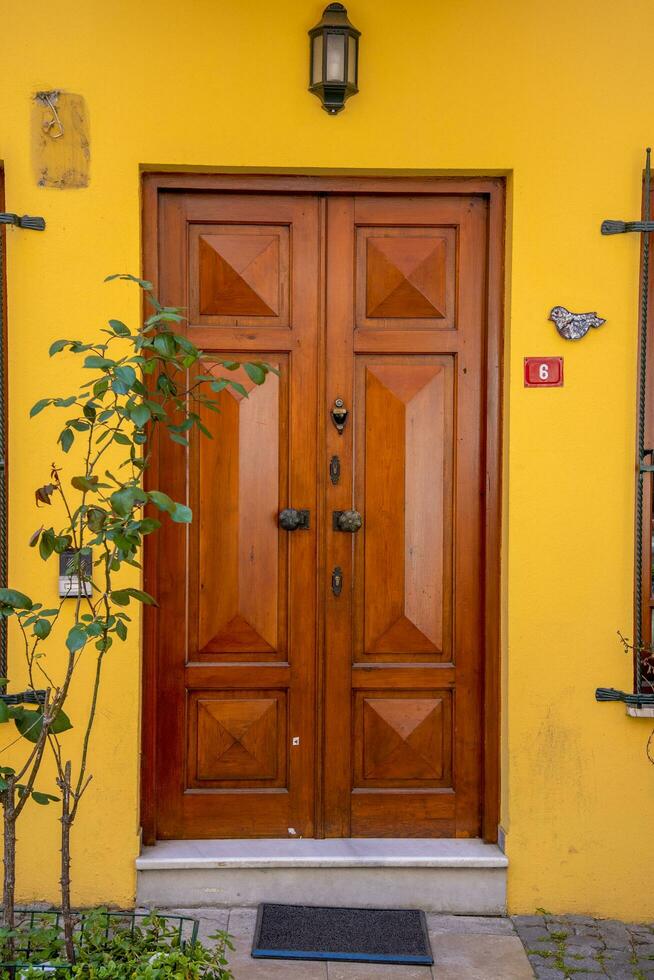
(347,520)
(291,519)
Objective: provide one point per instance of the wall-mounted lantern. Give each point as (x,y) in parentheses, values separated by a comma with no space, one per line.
(334,58)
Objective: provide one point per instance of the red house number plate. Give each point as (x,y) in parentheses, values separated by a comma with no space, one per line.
(543,372)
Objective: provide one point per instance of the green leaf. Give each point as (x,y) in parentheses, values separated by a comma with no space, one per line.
(161,500)
(148,525)
(76,638)
(182,514)
(66,439)
(122,501)
(119,328)
(177,438)
(39,406)
(126,374)
(4,713)
(255,373)
(140,415)
(121,630)
(58,346)
(47,544)
(62,543)
(238,387)
(122,596)
(144,597)
(121,439)
(61,723)
(84,482)
(165,345)
(44,798)
(143,283)
(123,542)
(94,361)
(95,518)
(29,724)
(42,628)
(15,599)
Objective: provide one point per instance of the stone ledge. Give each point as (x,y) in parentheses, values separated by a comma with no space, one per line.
(333,853)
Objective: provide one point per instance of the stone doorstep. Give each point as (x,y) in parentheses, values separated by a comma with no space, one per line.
(465,877)
(333,853)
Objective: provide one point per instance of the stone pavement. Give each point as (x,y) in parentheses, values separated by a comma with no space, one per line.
(583,948)
(464,948)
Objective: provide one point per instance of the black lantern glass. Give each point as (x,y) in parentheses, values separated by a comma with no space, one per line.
(334,58)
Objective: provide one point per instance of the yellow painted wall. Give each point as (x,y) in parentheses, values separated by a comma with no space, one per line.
(552,94)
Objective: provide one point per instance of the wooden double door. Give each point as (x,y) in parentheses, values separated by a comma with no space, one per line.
(325,680)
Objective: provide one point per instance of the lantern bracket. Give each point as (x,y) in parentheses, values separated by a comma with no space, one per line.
(24,221)
(610,227)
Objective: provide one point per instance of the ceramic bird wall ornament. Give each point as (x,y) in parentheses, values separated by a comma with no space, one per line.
(574,326)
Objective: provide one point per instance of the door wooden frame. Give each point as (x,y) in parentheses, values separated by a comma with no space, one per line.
(494,190)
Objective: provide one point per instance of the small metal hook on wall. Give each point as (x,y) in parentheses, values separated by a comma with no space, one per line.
(49,99)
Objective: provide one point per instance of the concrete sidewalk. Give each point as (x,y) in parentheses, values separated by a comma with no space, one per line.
(464,948)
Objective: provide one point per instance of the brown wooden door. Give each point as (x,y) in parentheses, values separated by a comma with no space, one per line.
(405,345)
(236,632)
(282,707)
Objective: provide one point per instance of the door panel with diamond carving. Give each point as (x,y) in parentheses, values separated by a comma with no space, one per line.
(238,604)
(325,681)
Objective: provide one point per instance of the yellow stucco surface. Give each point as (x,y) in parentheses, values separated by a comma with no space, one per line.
(553,95)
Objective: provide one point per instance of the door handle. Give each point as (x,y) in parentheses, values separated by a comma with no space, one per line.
(291,519)
(346,520)
(339,414)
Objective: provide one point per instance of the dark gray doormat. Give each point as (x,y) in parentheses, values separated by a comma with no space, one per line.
(304,932)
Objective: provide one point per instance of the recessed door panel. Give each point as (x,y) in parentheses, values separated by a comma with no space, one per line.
(406,277)
(239,555)
(237,740)
(403,475)
(240,274)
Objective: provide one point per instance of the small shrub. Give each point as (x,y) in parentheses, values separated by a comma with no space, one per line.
(111,948)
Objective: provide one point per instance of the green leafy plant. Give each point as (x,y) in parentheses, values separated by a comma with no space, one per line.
(108,947)
(140,380)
